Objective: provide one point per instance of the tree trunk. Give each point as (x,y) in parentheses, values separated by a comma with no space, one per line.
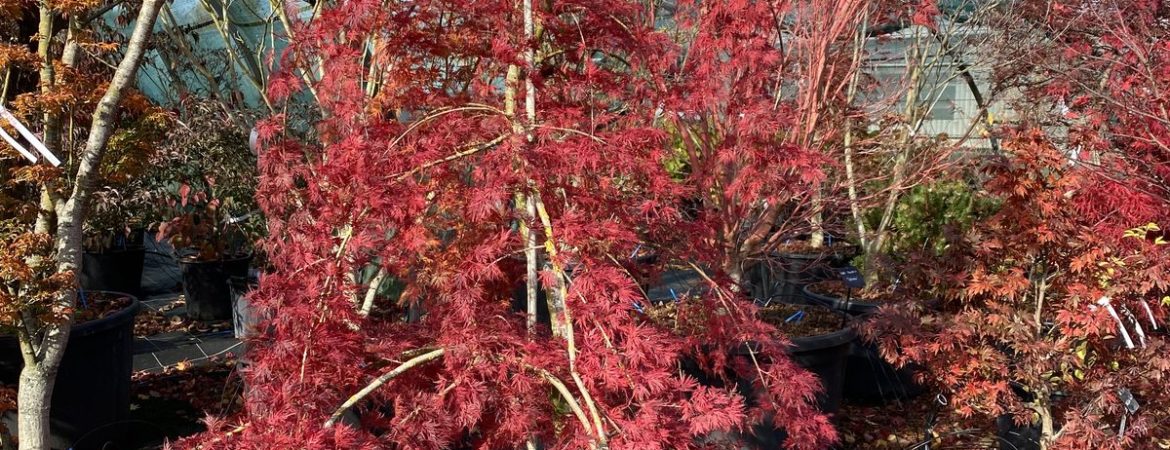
(36,380)
(33,398)
(817,220)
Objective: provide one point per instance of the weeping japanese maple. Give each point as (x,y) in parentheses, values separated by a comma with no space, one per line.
(463,148)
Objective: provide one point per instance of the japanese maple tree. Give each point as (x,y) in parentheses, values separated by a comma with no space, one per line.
(464,149)
(1053,308)
(758,105)
(76,103)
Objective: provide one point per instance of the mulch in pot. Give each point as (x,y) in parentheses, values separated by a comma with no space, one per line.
(96,305)
(837,289)
(804,247)
(815,320)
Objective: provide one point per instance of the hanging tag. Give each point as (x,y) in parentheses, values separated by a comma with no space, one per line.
(1150,315)
(28,135)
(1137,326)
(20,148)
(1104,301)
(636,250)
(1131,404)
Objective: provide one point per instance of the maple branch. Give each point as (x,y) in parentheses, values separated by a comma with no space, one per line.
(440,113)
(98,13)
(559,294)
(851,95)
(591,136)
(372,291)
(572,401)
(468,151)
(716,288)
(559,298)
(378,382)
(593,412)
(635,280)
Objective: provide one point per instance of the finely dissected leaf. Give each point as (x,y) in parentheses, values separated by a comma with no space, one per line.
(415,166)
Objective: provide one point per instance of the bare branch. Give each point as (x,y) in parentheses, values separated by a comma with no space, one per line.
(378,382)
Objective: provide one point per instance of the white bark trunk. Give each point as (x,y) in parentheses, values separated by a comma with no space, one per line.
(36,381)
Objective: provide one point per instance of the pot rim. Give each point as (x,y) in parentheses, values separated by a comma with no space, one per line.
(839,304)
(98,325)
(127,249)
(186,260)
(111,321)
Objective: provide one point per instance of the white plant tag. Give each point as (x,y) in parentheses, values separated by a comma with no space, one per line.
(1104,301)
(1150,314)
(20,148)
(1137,325)
(32,138)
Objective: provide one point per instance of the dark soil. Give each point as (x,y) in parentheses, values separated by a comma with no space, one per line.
(817,320)
(667,314)
(903,425)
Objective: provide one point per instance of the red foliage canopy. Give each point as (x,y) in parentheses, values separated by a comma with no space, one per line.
(415,165)
(1019,328)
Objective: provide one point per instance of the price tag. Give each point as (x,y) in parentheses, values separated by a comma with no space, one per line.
(852,277)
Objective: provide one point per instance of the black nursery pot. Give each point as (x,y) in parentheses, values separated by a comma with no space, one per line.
(794,270)
(869,378)
(825,355)
(117,270)
(1015,437)
(206,288)
(91,397)
(245,319)
(852,307)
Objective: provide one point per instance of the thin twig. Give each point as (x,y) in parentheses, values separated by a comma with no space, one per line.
(461,154)
(568,396)
(378,382)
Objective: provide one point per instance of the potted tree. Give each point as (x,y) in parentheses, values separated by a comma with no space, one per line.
(210,251)
(91,395)
(44,202)
(817,338)
(114,258)
(205,187)
(1032,329)
(532,143)
(114,231)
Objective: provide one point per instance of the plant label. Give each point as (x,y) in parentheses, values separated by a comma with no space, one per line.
(1131,404)
(851,277)
(29,136)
